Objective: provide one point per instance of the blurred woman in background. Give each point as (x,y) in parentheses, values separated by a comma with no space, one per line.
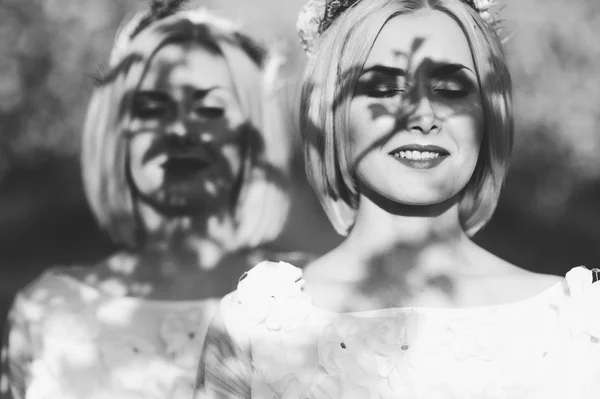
(406,115)
(184,162)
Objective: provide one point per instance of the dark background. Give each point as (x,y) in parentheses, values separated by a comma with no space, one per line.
(548,219)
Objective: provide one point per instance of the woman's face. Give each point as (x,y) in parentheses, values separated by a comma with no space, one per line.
(186,147)
(416,116)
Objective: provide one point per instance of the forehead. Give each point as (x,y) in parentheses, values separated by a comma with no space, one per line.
(408,40)
(176,65)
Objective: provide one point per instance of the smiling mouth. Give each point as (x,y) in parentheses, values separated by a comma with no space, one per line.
(420,157)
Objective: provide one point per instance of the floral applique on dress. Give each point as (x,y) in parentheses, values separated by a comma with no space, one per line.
(578,311)
(542,347)
(271,294)
(581,307)
(272,301)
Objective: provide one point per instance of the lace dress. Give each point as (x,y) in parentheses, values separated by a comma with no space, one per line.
(68,340)
(268,341)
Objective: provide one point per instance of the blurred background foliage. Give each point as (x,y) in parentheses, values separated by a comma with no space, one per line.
(548,219)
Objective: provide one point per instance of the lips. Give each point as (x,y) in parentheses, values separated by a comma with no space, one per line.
(418,156)
(183,166)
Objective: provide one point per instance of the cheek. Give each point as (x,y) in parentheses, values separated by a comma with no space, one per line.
(466,126)
(146,174)
(370,125)
(472,137)
(138,147)
(230,141)
(141,126)
(233,156)
(234,117)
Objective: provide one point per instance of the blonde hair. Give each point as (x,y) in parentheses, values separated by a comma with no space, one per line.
(262,204)
(329,84)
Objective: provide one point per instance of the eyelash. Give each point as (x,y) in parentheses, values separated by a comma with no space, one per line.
(452,92)
(149,110)
(153,110)
(385,91)
(210,112)
(447,91)
(451,89)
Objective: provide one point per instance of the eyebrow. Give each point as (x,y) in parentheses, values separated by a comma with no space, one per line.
(448,69)
(201,93)
(387,70)
(159,95)
(153,95)
(440,70)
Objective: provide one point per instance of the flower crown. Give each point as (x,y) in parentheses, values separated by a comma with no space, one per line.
(317,15)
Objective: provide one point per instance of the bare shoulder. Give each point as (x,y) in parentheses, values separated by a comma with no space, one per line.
(520,282)
(330,281)
(533,282)
(334,266)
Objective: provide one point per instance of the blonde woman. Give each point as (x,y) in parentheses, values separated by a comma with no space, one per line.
(407,122)
(184,165)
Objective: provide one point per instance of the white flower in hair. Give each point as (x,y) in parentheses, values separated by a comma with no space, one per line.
(483,4)
(317,15)
(309,22)
(483,8)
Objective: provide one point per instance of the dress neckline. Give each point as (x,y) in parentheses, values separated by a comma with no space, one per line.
(554,289)
(81,285)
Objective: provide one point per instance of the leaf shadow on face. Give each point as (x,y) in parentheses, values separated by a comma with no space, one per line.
(383,291)
(255,165)
(229,370)
(224,132)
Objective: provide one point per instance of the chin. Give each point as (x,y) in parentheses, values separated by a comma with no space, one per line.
(423,197)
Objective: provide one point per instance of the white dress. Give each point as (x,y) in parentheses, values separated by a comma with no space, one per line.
(68,340)
(268,341)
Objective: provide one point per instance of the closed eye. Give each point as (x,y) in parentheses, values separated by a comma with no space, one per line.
(210,112)
(450,93)
(381,82)
(385,91)
(151,105)
(150,110)
(451,89)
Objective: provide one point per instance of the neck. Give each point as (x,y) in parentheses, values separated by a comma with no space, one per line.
(182,258)
(405,240)
(187,243)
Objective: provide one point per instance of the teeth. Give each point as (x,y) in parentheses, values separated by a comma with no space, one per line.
(416,155)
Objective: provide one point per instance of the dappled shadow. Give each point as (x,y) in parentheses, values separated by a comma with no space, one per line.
(123,327)
(99,330)
(333,342)
(223,132)
(394,282)
(180,30)
(377,285)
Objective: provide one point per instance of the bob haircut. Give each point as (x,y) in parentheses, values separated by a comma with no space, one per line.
(261,203)
(329,84)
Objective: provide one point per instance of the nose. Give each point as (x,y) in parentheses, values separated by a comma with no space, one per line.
(177,128)
(189,133)
(423,118)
